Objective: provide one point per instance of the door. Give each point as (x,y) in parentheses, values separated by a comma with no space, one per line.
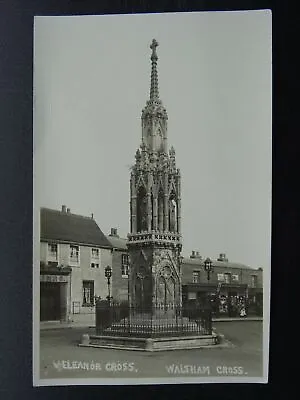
(50,301)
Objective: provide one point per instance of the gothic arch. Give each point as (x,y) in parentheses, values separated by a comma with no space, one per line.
(152,211)
(143,288)
(160,211)
(170,291)
(141,209)
(167,285)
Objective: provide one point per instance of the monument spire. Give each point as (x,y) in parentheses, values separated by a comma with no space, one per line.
(154,115)
(154,241)
(154,94)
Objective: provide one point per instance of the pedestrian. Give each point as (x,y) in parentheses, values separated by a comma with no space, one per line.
(243,312)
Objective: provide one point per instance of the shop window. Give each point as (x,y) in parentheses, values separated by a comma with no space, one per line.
(88,293)
(94,265)
(192,296)
(227,278)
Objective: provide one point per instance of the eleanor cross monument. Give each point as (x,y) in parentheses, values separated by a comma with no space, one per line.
(154,241)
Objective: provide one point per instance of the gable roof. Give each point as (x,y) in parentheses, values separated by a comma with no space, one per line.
(68,227)
(117,242)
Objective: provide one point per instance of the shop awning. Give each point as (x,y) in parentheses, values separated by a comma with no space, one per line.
(55,270)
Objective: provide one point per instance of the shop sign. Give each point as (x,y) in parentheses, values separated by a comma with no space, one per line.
(54,278)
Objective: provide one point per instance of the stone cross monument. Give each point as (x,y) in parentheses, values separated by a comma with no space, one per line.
(154,241)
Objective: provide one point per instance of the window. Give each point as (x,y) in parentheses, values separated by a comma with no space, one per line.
(220,277)
(74,254)
(88,293)
(125,265)
(227,277)
(95,257)
(235,277)
(95,254)
(253,281)
(196,276)
(52,252)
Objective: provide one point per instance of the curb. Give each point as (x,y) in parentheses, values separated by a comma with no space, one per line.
(237,319)
(54,328)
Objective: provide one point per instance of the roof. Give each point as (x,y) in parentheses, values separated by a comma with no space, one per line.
(215,263)
(117,242)
(68,227)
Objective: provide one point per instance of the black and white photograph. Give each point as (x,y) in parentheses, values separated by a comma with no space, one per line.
(152,198)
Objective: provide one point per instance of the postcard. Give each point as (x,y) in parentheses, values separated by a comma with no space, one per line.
(152,198)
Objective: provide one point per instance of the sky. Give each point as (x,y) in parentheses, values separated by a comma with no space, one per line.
(91,82)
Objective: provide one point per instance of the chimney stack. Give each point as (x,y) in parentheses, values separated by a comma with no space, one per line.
(196,254)
(222,257)
(68,210)
(63,208)
(114,232)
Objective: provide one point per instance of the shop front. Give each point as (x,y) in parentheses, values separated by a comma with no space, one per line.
(54,289)
(231,300)
(228,300)
(199,295)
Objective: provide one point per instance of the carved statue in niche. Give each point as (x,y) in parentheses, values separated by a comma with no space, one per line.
(172,214)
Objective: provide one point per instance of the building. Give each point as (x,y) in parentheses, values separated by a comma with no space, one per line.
(73,255)
(230,287)
(154,241)
(120,266)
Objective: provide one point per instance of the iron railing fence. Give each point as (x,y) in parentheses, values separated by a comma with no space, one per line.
(122,319)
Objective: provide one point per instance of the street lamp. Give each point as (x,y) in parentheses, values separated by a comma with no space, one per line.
(108,273)
(208,267)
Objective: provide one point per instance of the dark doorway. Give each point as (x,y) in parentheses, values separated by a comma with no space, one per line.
(50,305)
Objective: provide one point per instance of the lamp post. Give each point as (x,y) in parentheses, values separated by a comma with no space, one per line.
(108,274)
(208,268)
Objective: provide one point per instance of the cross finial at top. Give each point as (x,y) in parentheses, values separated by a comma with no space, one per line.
(153,46)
